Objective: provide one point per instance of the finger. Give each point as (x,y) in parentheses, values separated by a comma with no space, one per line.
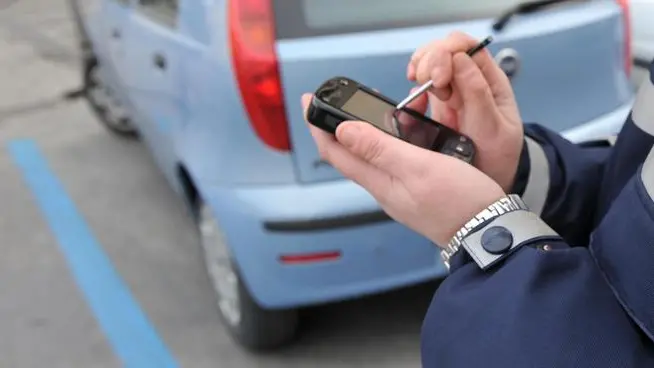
(497,79)
(324,141)
(442,113)
(318,134)
(440,74)
(435,62)
(471,84)
(449,43)
(411,71)
(381,150)
(433,59)
(375,181)
(306,101)
(435,66)
(416,57)
(455,101)
(404,123)
(420,103)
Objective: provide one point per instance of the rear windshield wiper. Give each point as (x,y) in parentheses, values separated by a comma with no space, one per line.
(524,8)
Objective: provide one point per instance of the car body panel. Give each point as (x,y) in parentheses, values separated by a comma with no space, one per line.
(642,28)
(374,257)
(571,67)
(109,34)
(156,92)
(218,143)
(192,118)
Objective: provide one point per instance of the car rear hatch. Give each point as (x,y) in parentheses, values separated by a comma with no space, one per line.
(570,57)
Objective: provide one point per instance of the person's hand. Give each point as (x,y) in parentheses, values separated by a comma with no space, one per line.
(431,193)
(474,97)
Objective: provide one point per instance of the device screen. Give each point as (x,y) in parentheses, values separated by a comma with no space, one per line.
(383,115)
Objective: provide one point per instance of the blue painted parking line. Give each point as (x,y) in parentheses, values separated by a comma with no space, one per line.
(132,337)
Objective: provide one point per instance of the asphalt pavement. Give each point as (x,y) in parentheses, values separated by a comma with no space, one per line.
(99,258)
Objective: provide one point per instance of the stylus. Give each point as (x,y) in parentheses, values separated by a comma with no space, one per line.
(428,85)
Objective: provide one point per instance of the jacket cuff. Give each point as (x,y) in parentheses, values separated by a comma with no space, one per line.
(522,173)
(622,247)
(538,180)
(532,180)
(460,259)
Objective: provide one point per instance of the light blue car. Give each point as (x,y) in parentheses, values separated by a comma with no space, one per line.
(213,89)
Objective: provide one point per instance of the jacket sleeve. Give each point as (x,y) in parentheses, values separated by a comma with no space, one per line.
(554,306)
(560,180)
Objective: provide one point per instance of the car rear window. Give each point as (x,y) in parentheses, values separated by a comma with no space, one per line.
(307,18)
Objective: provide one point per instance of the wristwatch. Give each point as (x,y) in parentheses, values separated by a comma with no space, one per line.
(496,231)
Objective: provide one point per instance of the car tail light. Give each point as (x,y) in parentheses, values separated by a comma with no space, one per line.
(624,4)
(252,36)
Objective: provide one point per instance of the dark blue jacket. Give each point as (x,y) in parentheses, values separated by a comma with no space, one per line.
(588,302)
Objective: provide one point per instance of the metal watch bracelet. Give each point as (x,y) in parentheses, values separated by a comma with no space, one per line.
(509,203)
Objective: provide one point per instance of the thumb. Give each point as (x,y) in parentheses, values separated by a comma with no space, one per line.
(471,84)
(380,149)
(420,103)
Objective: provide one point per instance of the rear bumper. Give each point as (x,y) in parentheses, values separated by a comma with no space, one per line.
(262,224)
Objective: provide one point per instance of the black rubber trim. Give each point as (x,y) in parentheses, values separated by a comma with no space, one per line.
(642,63)
(327,223)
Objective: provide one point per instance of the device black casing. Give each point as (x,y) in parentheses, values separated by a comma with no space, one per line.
(325,113)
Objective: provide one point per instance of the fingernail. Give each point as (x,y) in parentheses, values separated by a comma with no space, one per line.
(348,134)
(411,71)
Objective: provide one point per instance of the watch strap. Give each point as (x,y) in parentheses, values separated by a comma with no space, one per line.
(515,229)
(509,203)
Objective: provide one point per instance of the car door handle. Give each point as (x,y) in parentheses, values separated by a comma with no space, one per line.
(159,61)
